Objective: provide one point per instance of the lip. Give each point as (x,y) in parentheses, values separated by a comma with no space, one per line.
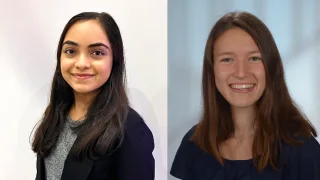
(242,90)
(241,83)
(82,76)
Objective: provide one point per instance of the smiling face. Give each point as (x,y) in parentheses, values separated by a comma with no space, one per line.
(86,57)
(238,68)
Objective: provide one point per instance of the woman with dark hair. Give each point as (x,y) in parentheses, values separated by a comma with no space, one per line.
(88,130)
(250,128)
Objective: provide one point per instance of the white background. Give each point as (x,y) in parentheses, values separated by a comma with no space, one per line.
(295,26)
(29,34)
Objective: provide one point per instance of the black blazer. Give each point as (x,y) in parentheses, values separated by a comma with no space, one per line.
(132,161)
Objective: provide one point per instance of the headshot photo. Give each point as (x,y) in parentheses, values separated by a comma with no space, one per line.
(242,91)
(160,90)
(86,96)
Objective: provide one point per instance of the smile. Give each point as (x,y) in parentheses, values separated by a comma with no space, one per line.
(242,88)
(82,76)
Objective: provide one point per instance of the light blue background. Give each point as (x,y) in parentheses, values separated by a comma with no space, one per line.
(295,26)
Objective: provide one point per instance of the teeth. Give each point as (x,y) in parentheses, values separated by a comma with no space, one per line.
(242,86)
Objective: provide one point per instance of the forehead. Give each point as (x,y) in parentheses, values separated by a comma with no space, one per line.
(235,40)
(87,32)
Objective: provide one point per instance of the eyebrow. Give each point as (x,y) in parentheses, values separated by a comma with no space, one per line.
(231,53)
(90,46)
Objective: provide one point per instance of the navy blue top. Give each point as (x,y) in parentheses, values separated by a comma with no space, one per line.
(299,163)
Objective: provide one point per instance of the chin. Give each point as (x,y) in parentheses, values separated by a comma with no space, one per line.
(238,104)
(241,106)
(83,90)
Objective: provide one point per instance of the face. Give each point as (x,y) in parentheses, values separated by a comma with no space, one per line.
(238,68)
(86,57)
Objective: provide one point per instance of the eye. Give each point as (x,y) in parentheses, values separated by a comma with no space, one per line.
(226,60)
(69,51)
(98,53)
(255,58)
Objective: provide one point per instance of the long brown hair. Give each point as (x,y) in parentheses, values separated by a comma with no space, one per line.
(278,117)
(104,125)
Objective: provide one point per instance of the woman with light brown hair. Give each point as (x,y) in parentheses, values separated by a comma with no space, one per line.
(250,128)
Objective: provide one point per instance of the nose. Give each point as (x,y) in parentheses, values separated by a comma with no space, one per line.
(241,69)
(82,62)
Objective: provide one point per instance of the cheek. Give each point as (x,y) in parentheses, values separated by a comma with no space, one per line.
(261,75)
(221,76)
(263,81)
(220,81)
(64,65)
(105,68)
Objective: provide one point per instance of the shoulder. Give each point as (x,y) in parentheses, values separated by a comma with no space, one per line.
(137,131)
(309,146)
(187,138)
(187,155)
(188,143)
(134,158)
(304,160)
(133,117)
(187,146)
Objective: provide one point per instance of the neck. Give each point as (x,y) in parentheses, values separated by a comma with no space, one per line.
(81,105)
(243,120)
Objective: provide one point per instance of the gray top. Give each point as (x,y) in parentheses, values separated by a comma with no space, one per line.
(54,163)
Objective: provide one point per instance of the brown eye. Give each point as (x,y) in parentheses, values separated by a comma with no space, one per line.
(69,51)
(98,53)
(255,58)
(226,60)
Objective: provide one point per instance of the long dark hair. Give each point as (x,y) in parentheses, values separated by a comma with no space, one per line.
(104,124)
(279,119)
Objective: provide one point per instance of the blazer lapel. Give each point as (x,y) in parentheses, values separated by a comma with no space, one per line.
(76,169)
(73,169)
